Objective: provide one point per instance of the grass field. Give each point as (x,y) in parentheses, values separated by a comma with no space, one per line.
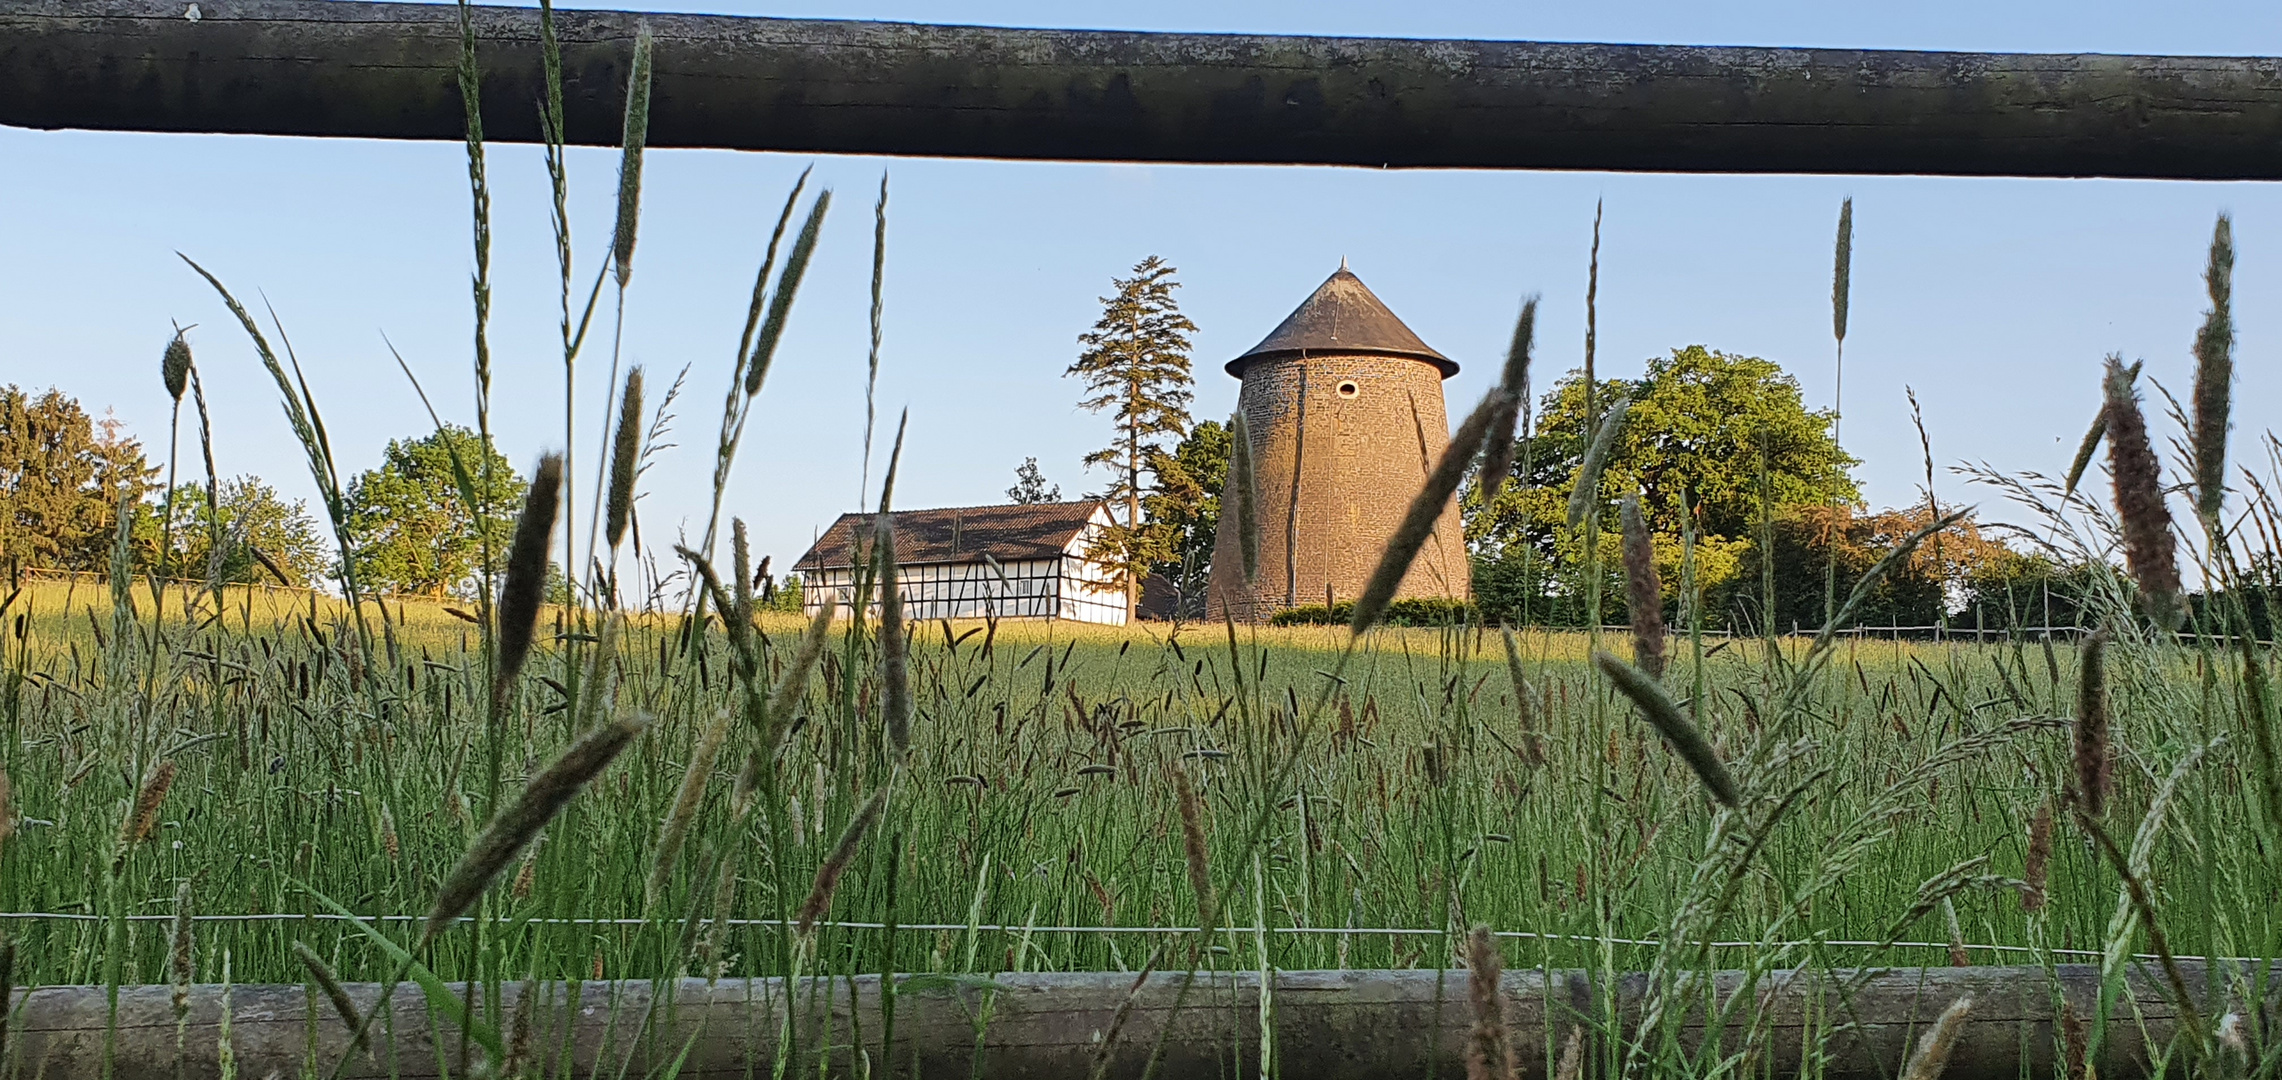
(1418,797)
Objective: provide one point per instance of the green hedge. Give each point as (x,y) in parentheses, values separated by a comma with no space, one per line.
(1417,611)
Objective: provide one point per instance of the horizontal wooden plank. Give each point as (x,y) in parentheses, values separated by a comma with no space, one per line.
(382,70)
(1382,1025)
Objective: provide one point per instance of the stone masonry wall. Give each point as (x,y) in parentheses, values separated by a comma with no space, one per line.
(1373,427)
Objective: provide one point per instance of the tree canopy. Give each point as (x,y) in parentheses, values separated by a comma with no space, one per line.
(1184,504)
(63,479)
(252,517)
(1702,430)
(410,526)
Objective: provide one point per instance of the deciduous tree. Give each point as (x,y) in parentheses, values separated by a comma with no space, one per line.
(410,525)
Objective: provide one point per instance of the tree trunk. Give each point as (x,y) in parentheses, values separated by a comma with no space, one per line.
(375,70)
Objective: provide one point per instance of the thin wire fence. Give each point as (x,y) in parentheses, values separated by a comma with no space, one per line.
(1011,928)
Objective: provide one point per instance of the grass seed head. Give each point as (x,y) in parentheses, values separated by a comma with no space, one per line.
(1192,843)
(1587,492)
(1934,1048)
(1842,269)
(675,831)
(1489,1047)
(526,585)
(2093,772)
(2214,375)
(894,642)
(636,134)
(1664,715)
(2149,547)
(828,875)
(517,825)
(625,460)
(182,950)
(321,973)
(174,367)
(142,818)
(1497,452)
(1643,592)
(792,685)
(7,811)
(2036,868)
(1425,511)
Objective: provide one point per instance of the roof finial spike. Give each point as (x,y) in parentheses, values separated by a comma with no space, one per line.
(1343,262)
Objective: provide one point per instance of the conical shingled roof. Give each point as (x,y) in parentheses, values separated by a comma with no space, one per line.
(1343,316)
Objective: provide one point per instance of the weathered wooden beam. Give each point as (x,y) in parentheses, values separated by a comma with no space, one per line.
(1381,1025)
(378,70)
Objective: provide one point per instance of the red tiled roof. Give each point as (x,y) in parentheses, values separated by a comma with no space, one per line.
(958,534)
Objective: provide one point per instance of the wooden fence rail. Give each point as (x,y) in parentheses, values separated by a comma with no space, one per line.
(387,70)
(1382,1025)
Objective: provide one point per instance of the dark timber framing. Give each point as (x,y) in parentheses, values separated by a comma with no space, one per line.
(373,70)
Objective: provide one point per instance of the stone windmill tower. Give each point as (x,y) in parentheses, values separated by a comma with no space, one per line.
(1345,409)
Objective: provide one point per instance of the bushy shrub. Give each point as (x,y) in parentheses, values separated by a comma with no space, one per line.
(1416,611)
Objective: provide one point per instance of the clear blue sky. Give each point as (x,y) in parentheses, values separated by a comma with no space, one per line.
(1995,299)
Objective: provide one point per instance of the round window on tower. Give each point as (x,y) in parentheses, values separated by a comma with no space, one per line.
(1349,389)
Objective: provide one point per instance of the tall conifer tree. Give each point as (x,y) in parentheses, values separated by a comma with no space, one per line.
(1136,362)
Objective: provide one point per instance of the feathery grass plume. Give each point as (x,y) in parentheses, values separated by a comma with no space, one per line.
(1489,1047)
(1587,491)
(2146,521)
(1664,715)
(1643,591)
(1524,709)
(1497,453)
(321,973)
(675,831)
(2036,868)
(2093,779)
(879,304)
(792,685)
(1245,484)
(894,642)
(1425,510)
(843,853)
(637,133)
(625,460)
(2214,377)
(1192,845)
(526,584)
(514,828)
(780,302)
(1572,1064)
(1935,1046)
(182,951)
(142,818)
(174,367)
